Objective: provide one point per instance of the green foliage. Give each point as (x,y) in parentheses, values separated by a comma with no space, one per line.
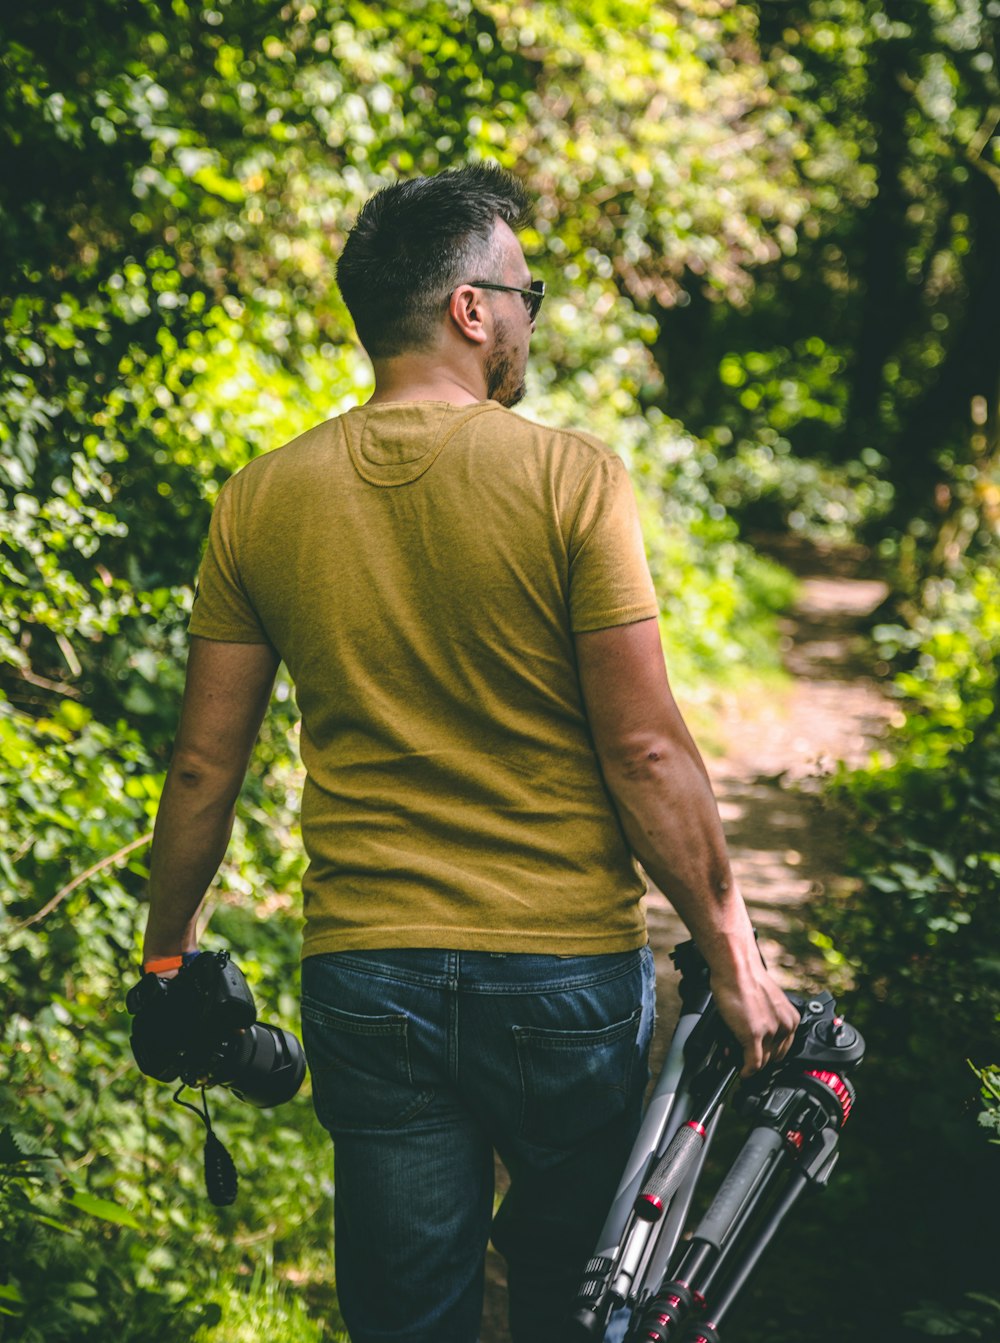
(920,937)
(869,338)
(977,1316)
(767,233)
(264,1308)
(184,178)
(989,1086)
(769,488)
(949,651)
(927,930)
(55,1287)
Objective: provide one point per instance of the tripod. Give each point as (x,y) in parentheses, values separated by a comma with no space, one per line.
(681,1290)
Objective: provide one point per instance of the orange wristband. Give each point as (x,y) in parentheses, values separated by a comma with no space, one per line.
(158,965)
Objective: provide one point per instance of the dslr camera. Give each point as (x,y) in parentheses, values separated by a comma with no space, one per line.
(201,1027)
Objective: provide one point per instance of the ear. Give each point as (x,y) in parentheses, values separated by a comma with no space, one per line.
(470,315)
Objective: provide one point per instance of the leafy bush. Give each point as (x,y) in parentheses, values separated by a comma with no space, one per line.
(70,928)
(920,936)
(69,1275)
(928,926)
(768,487)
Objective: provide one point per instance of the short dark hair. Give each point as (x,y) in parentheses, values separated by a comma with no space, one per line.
(414,242)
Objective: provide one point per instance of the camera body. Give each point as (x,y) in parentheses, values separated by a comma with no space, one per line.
(202,1028)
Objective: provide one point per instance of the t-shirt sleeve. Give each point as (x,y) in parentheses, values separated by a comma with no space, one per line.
(609,580)
(222,610)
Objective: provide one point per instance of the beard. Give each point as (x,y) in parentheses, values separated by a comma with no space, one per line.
(504,379)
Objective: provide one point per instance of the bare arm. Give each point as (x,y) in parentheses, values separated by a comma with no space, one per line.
(226,694)
(664,799)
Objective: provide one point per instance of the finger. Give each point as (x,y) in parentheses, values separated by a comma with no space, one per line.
(753,1058)
(785,1036)
(789,1033)
(792,1016)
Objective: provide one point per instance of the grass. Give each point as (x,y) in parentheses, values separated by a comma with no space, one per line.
(266,1308)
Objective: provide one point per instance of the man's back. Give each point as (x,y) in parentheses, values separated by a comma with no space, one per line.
(422,569)
(462,600)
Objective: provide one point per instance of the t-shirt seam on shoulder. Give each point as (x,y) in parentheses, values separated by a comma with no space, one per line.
(591,441)
(239,505)
(574,504)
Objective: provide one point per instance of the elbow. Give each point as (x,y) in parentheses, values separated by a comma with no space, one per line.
(639,760)
(195,775)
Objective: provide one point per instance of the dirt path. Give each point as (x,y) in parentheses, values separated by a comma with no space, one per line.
(784,846)
(776,747)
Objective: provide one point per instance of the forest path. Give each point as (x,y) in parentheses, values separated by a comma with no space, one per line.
(775,747)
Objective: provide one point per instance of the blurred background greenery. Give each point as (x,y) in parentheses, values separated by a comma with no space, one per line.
(770,234)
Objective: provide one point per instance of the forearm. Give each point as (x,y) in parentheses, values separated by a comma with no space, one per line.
(193,825)
(668,813)
(664,799)
(226,693)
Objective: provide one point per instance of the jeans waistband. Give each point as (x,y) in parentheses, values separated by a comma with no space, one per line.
(483,971)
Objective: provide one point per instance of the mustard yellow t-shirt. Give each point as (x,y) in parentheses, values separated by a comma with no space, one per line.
(422,568)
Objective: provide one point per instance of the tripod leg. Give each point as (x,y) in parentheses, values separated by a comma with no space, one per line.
(653,1271)
(663,1116)
(762,1238)
(745,1179)
(623,1238)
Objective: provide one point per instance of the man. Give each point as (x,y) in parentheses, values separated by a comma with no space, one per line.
(462,600)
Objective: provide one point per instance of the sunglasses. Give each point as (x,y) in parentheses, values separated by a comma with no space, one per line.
(532,298)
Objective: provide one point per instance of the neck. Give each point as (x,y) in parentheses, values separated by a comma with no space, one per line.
(413,377)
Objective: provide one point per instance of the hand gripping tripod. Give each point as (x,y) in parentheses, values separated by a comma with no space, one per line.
(680,1290)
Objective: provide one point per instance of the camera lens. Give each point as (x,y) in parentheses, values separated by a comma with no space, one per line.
(264,1065)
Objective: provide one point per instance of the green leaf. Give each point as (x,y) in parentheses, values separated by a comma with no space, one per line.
(10,1149)
(937,1326)
(984,1299)
(104,1209)
(944,863)
(211,180)
(54,1223)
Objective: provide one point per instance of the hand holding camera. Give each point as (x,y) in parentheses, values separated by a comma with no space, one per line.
(201,1028)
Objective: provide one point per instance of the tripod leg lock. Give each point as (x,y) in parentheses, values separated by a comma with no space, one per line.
(671,1305)
(700,1333)
(595,1278)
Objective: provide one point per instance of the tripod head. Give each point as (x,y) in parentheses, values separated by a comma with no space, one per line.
(825,1050)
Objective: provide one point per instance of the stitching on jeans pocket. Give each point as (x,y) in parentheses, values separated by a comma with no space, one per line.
(360,1066)
(564,1097)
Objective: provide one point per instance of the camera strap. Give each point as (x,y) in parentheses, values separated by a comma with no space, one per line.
(221,1180)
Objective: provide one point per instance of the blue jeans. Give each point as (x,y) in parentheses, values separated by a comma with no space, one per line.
(422,1063)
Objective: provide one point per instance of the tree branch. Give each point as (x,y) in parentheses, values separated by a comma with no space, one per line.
(977,145)
(71,886)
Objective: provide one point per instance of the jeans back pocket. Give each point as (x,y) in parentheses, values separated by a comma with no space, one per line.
(573,1082)
(360,1066)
